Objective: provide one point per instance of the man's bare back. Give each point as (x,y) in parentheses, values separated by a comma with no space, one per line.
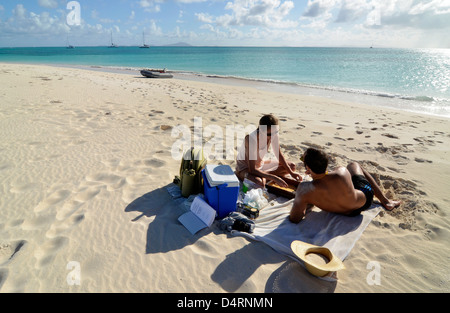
(333,193)
(345,190)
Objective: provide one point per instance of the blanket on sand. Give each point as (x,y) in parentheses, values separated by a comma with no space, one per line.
(337,232)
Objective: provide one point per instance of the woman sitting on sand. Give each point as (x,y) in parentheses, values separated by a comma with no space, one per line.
(250,160)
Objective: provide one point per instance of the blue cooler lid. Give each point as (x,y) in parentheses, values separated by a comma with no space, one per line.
(221,174)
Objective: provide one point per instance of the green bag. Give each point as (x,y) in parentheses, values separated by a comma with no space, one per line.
(190,180)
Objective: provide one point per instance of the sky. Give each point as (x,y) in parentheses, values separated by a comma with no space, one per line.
(331,23)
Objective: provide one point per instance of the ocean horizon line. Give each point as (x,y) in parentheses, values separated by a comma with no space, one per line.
(175,45)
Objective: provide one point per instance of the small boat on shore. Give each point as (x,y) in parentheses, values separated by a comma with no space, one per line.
(150,73)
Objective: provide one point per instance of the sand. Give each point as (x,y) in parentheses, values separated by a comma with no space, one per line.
(85,159)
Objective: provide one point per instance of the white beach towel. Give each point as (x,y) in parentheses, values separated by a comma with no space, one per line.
(337,232)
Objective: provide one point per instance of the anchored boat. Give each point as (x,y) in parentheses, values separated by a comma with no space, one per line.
(150,73)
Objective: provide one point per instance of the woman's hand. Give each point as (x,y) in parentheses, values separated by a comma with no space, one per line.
(280,182)
(296,176)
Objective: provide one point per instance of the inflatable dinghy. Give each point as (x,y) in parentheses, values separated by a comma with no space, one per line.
(156,74)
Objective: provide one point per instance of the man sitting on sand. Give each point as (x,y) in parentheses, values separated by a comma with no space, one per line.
(250,160)
(347,191)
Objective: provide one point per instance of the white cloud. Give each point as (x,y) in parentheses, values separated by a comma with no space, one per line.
(416,14)
(19,11)
(330,22)
(316,8)
(52,4)
(22,22)
(354,10)
(434,7)
(421,14)
(191,1)
(408,23)
(205,18)
(155,29)
(265,13)
(151,5)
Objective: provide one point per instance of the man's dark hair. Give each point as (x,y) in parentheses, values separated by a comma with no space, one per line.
(268,120)
(316,160)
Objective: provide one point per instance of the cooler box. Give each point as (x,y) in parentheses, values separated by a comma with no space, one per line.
(221,188)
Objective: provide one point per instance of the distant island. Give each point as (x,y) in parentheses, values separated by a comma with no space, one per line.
(178,44)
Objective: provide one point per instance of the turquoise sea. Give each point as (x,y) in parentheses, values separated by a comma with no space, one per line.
(411,79)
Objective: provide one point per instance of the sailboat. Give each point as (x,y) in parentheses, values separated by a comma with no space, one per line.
(69,46)
(113,45)
(144,46)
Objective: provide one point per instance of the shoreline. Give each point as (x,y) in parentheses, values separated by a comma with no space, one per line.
(371,98)
(86,159)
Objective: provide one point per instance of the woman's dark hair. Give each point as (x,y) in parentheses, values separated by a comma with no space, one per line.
(316,160)
(268,120)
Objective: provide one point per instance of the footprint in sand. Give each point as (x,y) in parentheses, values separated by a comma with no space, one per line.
(60,227)
(420,160)
(112,163)
(155,162)
(85,194)
(70,207)
(110,180)
(53,199)
(38,221)
(390,135)
(155,112)
(47,252)
(23,187)
(401,160)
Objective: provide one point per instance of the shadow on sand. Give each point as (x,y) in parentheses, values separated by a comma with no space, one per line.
(166,234)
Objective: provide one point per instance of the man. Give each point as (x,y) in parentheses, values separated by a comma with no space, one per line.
(251,162)
(347,191)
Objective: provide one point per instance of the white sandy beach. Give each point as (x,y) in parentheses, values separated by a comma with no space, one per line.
(85,158)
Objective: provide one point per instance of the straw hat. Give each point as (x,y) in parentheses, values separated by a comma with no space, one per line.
(302,249)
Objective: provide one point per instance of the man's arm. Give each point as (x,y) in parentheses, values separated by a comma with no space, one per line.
(300,205)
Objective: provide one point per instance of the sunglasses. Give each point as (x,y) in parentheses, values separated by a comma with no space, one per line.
(271,134)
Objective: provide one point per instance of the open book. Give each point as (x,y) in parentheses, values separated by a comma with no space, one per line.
(200,216)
